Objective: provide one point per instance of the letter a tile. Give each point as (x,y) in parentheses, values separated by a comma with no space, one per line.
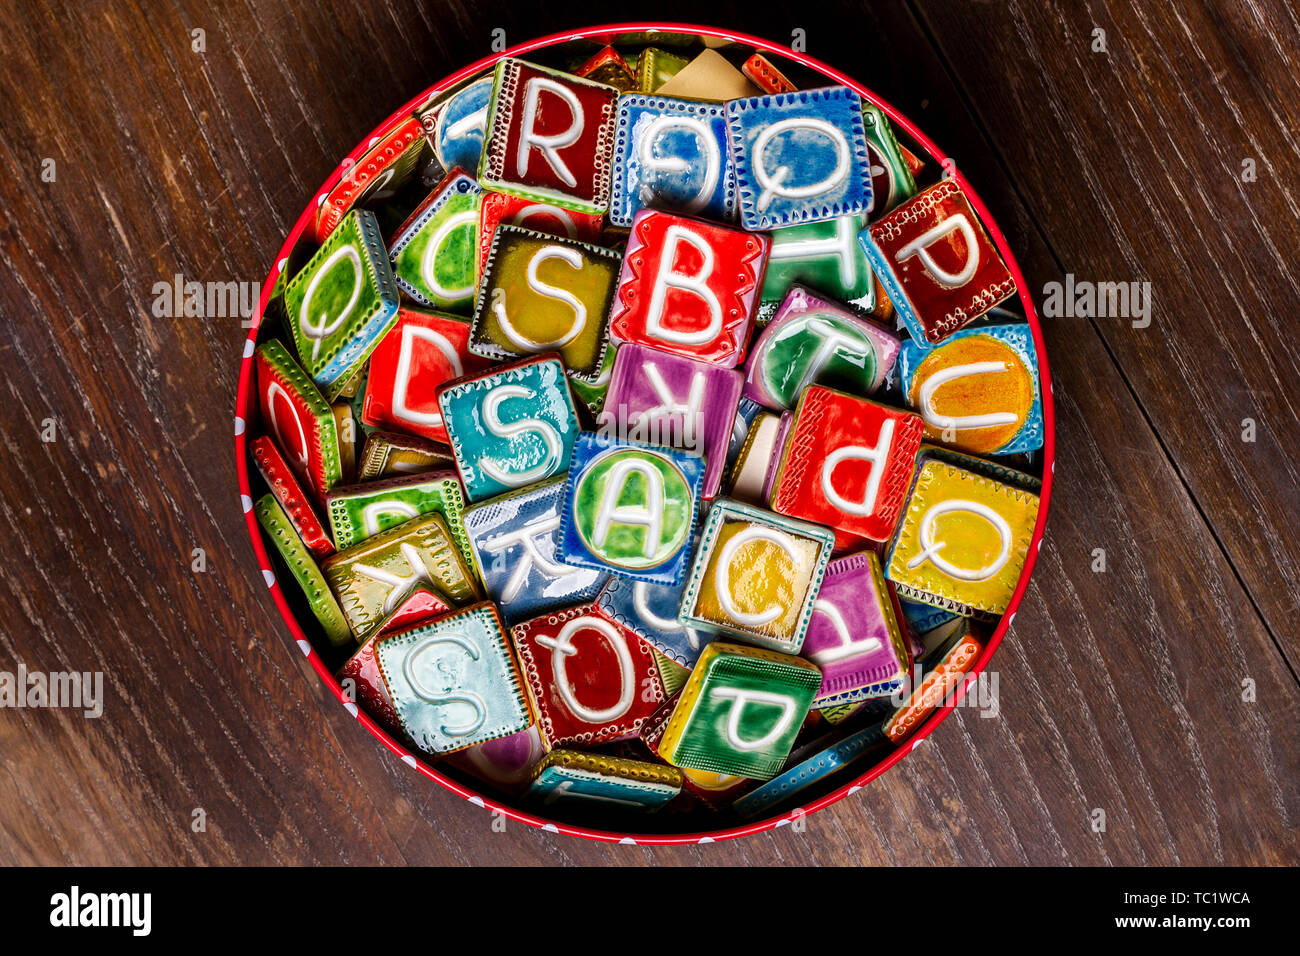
(740,711)
(848,463)
(550,137)
(630,509)
(510,426)
(937,264)
(688,287)
(590,679)
(963,540)
(800,157)
(454,681)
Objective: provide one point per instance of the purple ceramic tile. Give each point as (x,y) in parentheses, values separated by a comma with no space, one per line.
(854,635)
(658,398)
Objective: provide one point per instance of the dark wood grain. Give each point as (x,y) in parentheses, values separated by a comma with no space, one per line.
(1120,691)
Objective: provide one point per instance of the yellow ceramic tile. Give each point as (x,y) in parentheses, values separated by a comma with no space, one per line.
(963,540)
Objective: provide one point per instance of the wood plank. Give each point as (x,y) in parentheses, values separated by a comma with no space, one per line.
(1131,164)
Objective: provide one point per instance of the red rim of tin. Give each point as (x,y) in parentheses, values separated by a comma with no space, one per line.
(246,391)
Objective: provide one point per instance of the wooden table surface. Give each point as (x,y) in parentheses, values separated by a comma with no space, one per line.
(1162,690)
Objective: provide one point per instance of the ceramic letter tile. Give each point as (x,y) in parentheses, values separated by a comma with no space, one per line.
(962,541)
(689,287)
(550,136)
(630,509)
(755,575)
(454,681)
(303,567)
(342,302)
(435,253)
(510,426)
(516,541)
(388,454)
(786,787)
(937,263)
(609,783)
(297,417)
(358,512)
(977,390)
(740,711)
(423,352)
(372,578)
(800,157)
(590,679)
(854,636)
(671,154)
(665,399)
(825,257)
(848,463)
(811,340)
(542,293)
(393,160)
(280,478)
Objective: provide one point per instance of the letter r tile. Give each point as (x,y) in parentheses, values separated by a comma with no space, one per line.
(550,137)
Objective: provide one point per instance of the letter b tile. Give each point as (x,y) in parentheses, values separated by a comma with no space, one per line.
(688,287)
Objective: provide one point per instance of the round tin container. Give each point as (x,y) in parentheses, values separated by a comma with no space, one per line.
(300,238)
